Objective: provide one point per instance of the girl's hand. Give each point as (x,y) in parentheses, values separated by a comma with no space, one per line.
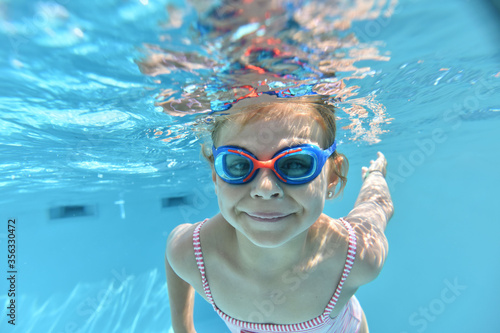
(379,165)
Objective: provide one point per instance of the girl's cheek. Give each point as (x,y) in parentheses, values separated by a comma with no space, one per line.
(228,191)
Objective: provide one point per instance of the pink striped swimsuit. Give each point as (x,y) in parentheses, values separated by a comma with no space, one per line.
(347,321)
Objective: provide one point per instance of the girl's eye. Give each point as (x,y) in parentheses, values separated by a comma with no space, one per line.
(237,166)
(295,166)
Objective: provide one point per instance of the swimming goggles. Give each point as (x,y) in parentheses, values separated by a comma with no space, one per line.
(292,165)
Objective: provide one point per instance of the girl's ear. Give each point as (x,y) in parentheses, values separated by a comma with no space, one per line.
(333,184)
(332,177)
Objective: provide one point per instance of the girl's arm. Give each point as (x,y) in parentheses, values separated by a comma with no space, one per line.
(180,293)
(369,217)
(374,200)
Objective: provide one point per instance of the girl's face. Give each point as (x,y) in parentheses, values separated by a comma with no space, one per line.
(267,211)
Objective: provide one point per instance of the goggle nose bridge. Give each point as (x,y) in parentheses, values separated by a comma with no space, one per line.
(269,164)
(265,164)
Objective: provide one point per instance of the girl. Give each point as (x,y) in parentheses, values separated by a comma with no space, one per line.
(271,261)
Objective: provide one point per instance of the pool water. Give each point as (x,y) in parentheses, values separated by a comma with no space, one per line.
(100,154)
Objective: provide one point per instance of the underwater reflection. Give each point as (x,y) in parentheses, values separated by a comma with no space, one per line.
(247,49)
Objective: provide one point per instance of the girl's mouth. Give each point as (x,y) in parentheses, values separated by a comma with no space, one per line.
(268,217)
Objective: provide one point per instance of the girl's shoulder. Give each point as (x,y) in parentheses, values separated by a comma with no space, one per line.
(180,252)
(371,250)
(371,247)
(330,232)
(180,247)
(329,239)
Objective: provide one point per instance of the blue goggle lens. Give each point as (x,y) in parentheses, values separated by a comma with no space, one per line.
(296,166)
(236,166)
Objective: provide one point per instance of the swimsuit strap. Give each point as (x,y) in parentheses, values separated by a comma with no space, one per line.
(199,260)
(351,255)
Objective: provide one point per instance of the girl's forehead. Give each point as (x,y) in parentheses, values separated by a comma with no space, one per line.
(275,133)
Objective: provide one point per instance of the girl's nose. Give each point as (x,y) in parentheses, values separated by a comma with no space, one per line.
(265,185)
